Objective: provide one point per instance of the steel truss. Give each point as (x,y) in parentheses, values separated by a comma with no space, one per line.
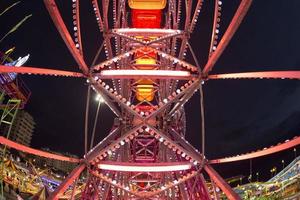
(149,133)
(145,134)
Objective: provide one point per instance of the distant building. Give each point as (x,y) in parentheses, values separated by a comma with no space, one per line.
(22,128)
(63,166)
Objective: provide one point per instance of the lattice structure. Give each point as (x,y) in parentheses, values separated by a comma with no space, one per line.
(145,73)
(146,82)
(11,84)
(9,114)
(14,88)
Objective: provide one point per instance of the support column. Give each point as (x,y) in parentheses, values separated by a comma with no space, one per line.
(67,182)
(7,119)
(221,183)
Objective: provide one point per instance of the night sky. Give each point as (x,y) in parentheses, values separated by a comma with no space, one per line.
(241,115)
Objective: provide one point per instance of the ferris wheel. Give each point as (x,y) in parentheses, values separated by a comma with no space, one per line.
(146,81)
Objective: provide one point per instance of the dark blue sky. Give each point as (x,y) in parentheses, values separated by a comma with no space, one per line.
(241,115)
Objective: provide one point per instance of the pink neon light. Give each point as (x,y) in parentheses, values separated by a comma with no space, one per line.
(145,167)
(156,73)
(147,30)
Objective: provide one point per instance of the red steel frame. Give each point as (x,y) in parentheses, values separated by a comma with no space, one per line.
(266,151)
(30,150)
(149,132)
(147,142)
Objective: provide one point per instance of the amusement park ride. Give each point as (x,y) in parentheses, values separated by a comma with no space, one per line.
(12,87)
(146,82)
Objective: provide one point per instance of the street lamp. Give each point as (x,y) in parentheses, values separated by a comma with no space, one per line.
(250,178)
(282,161)
(273,171)
(100,100)
(295,152)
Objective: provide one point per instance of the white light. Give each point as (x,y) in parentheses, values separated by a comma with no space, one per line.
(145,167)
(147,30)
(22,60)
(99,98)
(157,73)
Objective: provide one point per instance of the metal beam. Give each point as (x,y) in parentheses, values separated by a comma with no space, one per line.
(30,150)
(190,88)
(183,100)
(106,141)
(78,29)
(232,28)
(106,144)
(67,182)
(61,27)
(192,153)
(105,95)
(258,75)
(38,71)
(221,183)
(267,151)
